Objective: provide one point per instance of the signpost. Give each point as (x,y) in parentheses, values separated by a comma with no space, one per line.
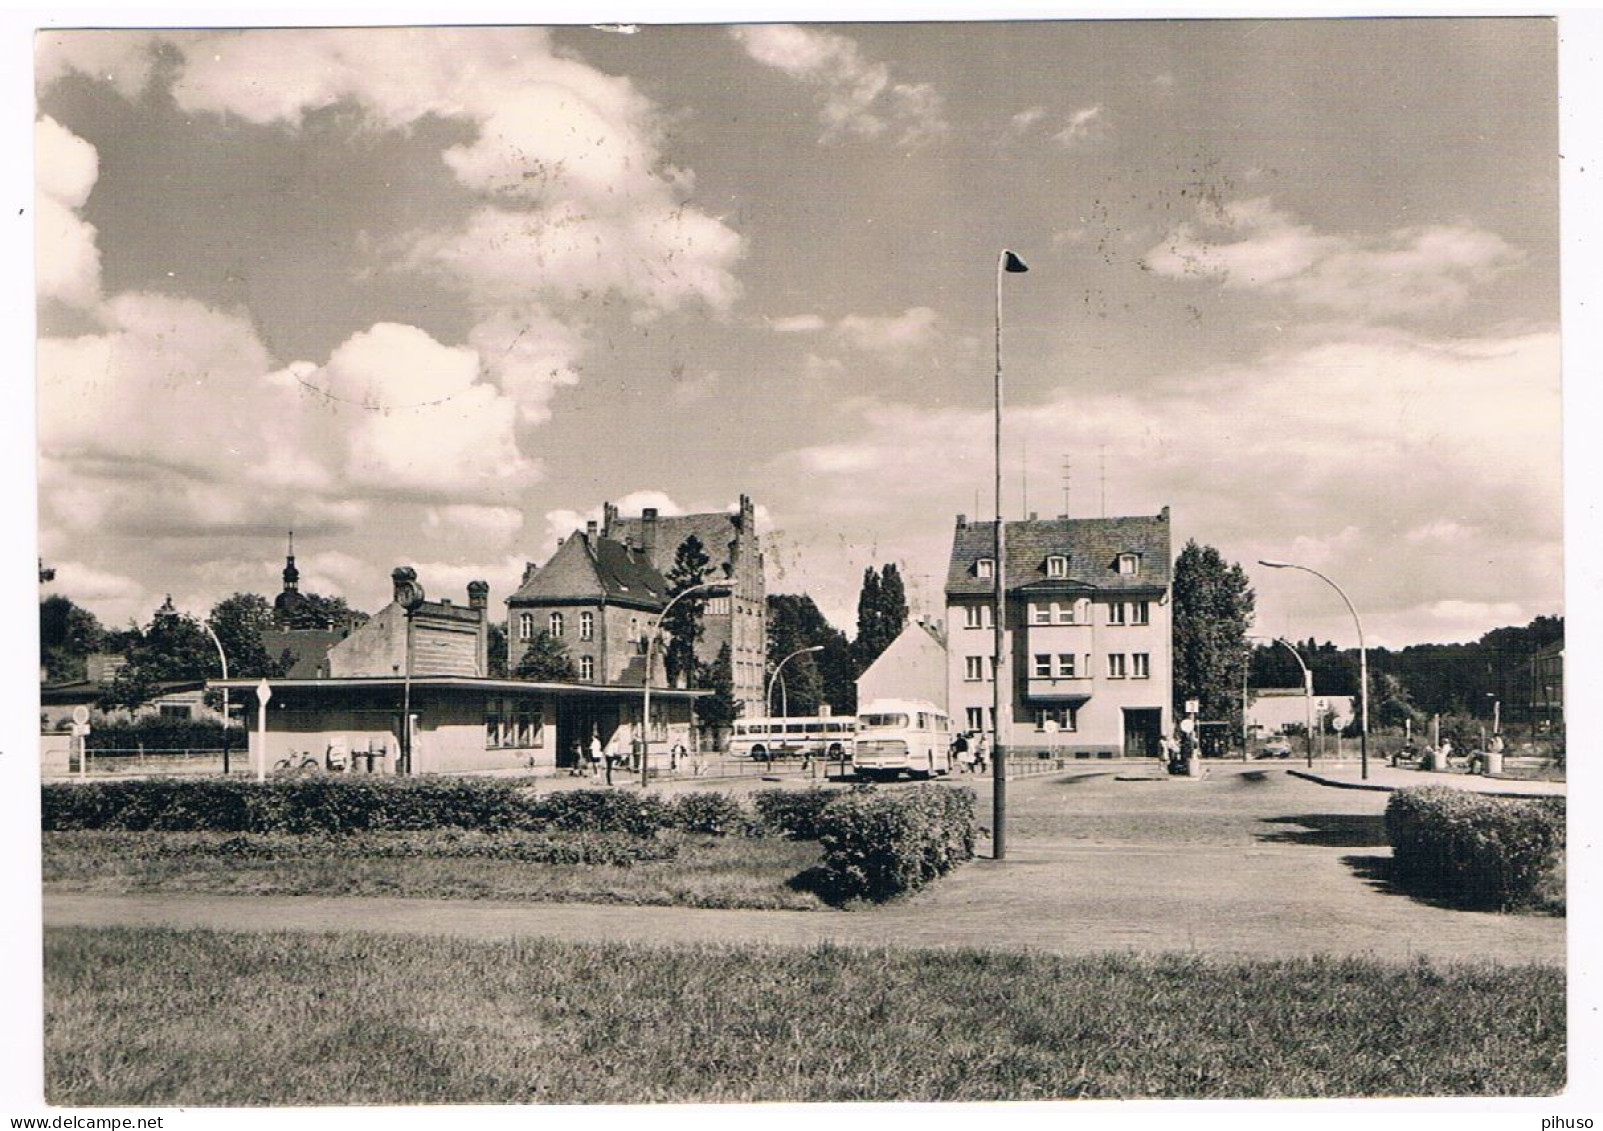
(80,733)
(263,694)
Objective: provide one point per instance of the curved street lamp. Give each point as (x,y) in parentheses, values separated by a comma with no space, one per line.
(651,648)
(1006,263)
(223,657)
(768,699)
(1307,691)
(1363,662)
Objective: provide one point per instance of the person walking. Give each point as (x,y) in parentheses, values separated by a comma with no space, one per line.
(960,752)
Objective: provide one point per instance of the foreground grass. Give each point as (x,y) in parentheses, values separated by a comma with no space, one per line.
(156,1016)
(728,872)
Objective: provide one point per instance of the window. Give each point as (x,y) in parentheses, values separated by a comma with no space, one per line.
(1129,564)
(1063,614)
(1116,612)
(1141,612)
(973,667)
(1140,665)
(634,629)
(1041,614)
(1057,566)
(975,717)
(1066,665)
(587,668)
(175,711)
(1115,665)
(525,626)
(556,624)
(1043,666)
(977,616)
(1059,718)
(587,626)
(509,726)
(719,607)
(985,567)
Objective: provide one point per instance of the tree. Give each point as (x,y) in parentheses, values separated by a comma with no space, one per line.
(319,612)
(67,635)
(881,613)
(172,647)
(830,676)
(546,661)
(683,622)
(239,622)
(718,709)
(1213,606)
(497,651)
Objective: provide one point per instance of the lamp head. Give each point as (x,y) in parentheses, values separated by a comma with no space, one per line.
(1013,264)
(1275,564)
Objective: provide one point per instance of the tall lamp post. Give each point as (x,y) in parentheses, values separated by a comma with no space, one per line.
(768,699)
(651,650)
(1363,663)
(1006,263)
(223,657)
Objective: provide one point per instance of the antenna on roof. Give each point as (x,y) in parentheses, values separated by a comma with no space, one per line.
(1024,479)
(1068,474)
(1103,452)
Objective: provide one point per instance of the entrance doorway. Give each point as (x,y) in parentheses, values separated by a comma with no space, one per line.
(1143,728)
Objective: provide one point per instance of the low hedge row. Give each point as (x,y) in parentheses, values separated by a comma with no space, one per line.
(797,813)
(881,845)
(1475,849)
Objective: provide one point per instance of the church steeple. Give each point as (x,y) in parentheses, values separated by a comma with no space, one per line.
(292,576)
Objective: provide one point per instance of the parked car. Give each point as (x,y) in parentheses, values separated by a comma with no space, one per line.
(1275,748)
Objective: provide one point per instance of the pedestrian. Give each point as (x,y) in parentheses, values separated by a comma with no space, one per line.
(961,753)
(981,753)
(597,753)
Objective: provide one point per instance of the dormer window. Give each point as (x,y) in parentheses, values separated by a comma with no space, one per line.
(985,567)
(1129,564)
(1057,565)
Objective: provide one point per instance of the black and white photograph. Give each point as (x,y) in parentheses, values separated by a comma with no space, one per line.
(795,563)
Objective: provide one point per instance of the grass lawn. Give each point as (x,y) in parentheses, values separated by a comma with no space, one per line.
(165,1017)
(700,871)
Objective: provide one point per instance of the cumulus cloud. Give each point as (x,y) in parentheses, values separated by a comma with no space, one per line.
(797,324)
(575,198)
(1251,245)
(66,257)
(1459,437)
(123,58)
(857,98)
(116,599)
(895,336)
(1082,127)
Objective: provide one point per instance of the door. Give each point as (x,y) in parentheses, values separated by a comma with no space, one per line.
(1143,727)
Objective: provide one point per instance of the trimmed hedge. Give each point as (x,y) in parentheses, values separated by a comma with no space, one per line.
(881,845)
(1475,849)
(797,813)
(602,811)
(157,732)
(713,814)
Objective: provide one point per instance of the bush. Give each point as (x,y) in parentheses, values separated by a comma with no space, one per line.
(155,732)
(1475,849)
(877,846)
(796,813)
(286,805)
(715,814)
(604,811)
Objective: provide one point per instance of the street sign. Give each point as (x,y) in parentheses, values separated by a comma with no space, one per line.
(1187,726)
(80,714)
(80,730)
(1193,706)
(263,693)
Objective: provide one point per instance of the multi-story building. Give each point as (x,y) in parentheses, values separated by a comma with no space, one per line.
(1087,647)
(733,551)
(599,598)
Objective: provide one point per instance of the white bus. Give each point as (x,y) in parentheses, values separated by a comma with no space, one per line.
(818,737)
(902,736)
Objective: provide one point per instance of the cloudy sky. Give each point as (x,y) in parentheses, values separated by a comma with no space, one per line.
(431,296)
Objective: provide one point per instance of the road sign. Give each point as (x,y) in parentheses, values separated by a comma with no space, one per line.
(80,714)
(263,693)
(1193,706)
(1187,726)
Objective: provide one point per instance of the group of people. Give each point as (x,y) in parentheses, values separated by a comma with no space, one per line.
(1432,757)
(970,752)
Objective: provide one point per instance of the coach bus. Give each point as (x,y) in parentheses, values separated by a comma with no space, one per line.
(902,736)
(827,737)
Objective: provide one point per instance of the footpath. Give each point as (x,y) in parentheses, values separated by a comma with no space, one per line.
(1388,778)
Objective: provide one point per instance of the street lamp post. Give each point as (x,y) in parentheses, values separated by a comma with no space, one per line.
(223,657)
(651,648)
(768,699)
(1307,693)
(1363,663)
(1006,263)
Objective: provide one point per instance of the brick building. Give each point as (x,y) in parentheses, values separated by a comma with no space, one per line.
(417,636)
(731,543)
(1087,652)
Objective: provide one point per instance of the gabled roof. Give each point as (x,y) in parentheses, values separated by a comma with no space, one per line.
(308,648)
(589,568)
(1092,546)
(716,532)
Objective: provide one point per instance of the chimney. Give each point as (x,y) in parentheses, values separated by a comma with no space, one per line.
(1033,516)
(609,515)
(962,521)
(529,570)
(478,595)
(1163,515)
(479,602)
(404,578)
(590,530)
(648,532)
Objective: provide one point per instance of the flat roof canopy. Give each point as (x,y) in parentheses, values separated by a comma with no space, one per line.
(452,683)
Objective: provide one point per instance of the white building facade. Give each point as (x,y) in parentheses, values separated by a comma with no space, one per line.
(1088,649)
